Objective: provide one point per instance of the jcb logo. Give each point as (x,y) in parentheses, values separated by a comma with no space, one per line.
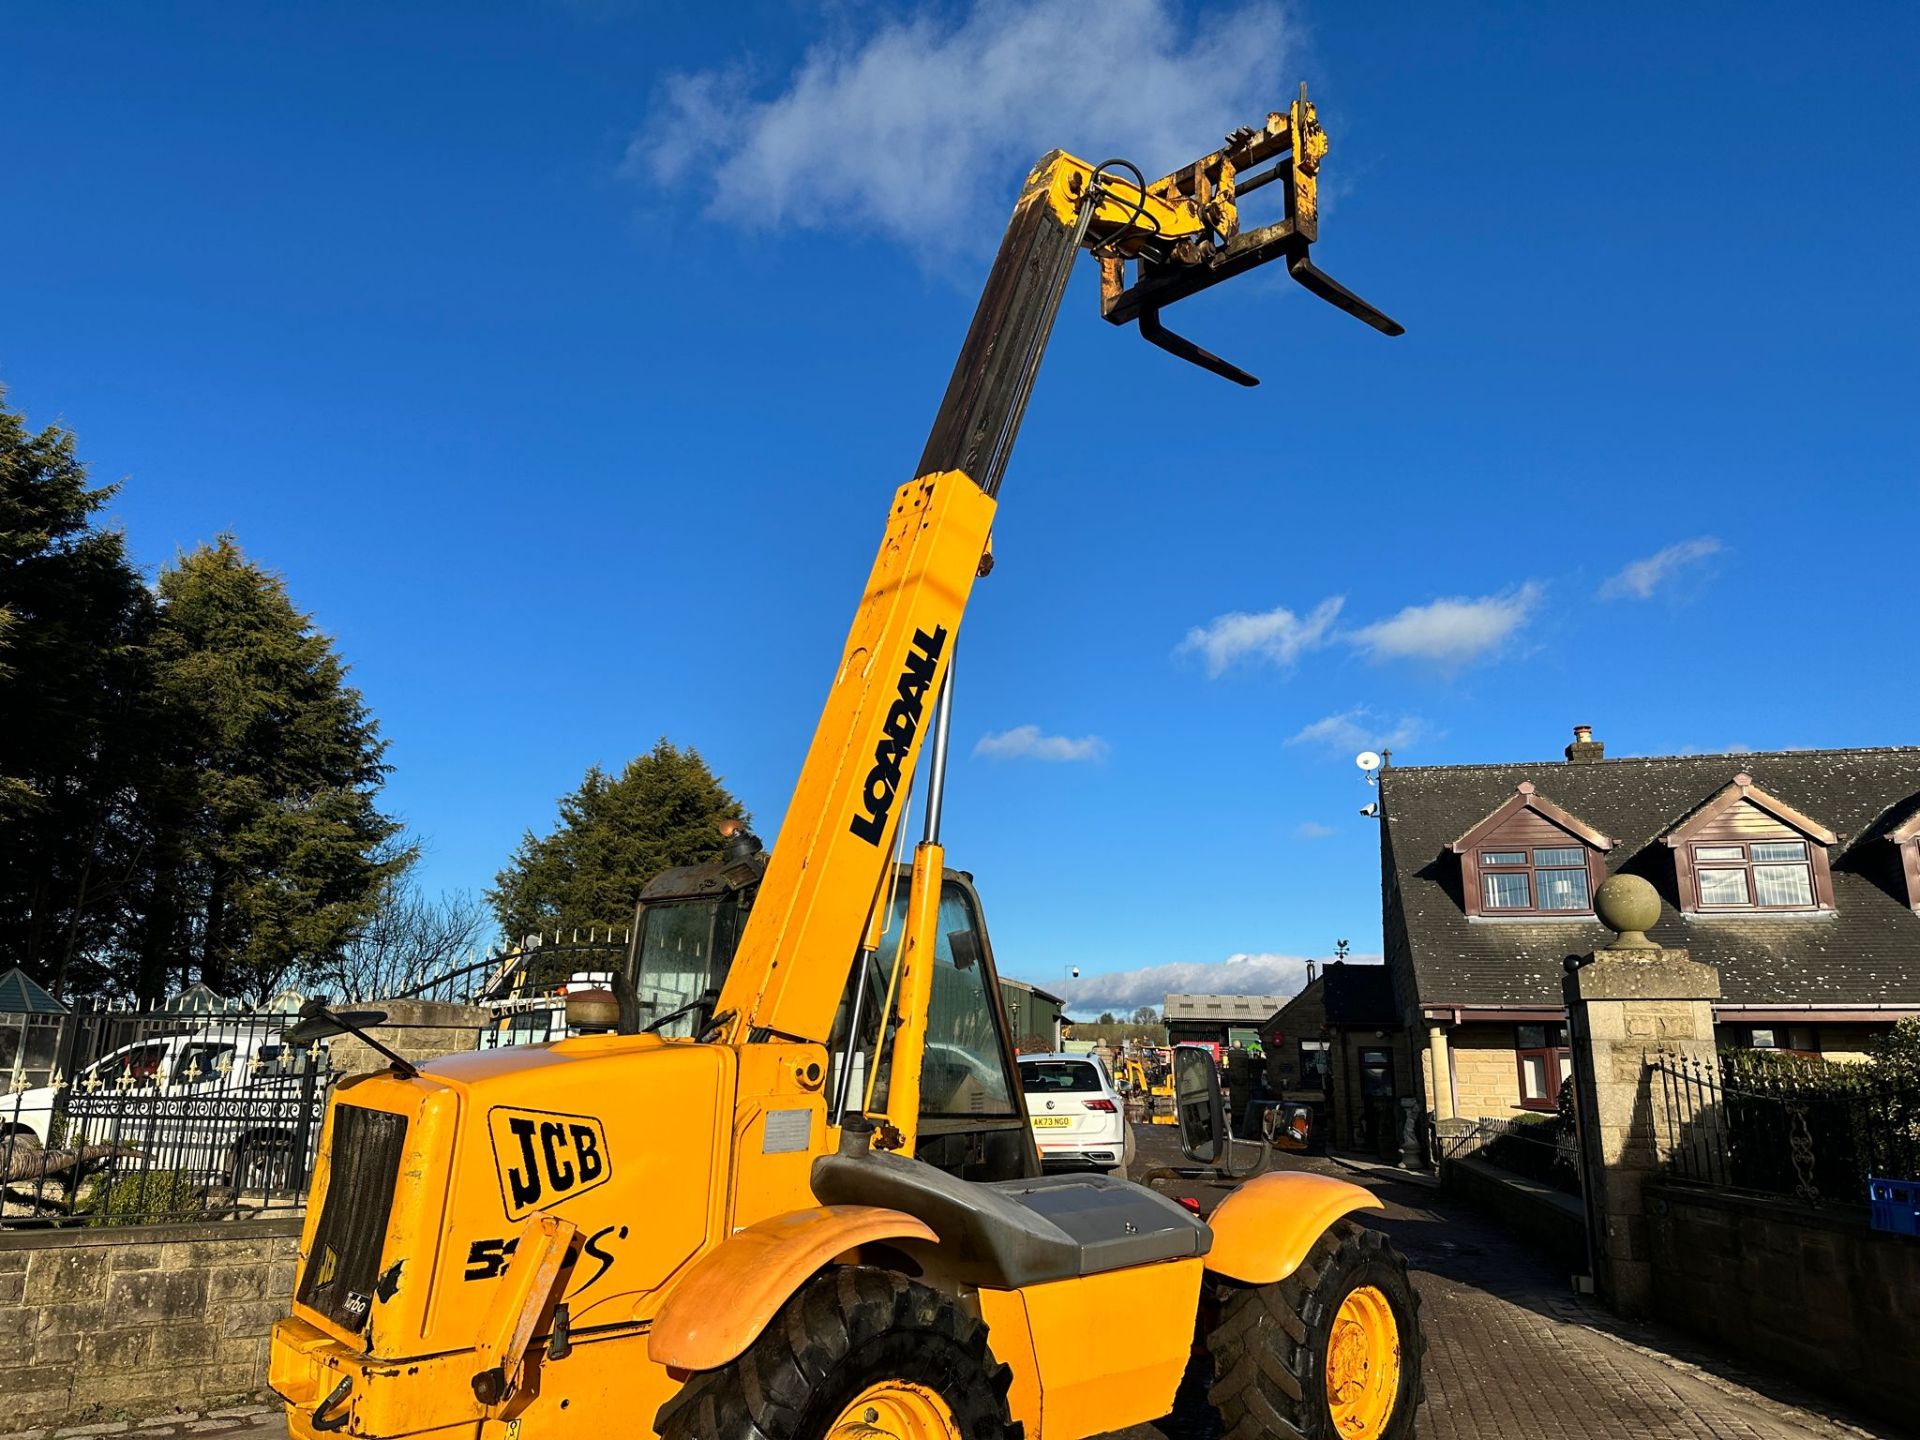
(544,1158)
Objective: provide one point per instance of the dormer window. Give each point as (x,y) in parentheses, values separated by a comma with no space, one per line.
(1745,850)
(1530,858)
(1907,836)
(1542,879)
(1763,875)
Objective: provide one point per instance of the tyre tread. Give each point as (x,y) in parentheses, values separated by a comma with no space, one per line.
(1261,1345)
(827,1326)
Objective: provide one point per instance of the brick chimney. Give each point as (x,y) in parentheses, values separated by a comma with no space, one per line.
(1585,750)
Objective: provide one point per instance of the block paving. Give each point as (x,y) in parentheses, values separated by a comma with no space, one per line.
(1513,1352)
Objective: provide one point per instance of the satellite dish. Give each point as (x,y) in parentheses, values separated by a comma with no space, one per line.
(1367,760)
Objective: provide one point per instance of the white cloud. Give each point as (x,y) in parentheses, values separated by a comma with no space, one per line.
(1639,580)
(1025,742)
(1450,631)
(1123,991)
(1313,830)
(1278,635)
(1360,728)
(920,127)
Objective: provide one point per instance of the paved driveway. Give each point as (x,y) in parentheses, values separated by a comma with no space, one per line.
(1514,1354)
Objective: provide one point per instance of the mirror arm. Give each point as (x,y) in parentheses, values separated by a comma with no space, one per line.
(316,1009)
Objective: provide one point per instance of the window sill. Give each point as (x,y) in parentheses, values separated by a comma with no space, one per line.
(1756,913)
(1535,917)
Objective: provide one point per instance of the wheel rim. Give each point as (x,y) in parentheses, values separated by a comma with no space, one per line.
(895,1410)
(1363,1365)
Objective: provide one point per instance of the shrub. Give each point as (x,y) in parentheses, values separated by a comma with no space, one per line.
(1896,1055)
(145,1197)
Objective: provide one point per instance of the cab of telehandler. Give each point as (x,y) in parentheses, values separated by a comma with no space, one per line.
(973,1122)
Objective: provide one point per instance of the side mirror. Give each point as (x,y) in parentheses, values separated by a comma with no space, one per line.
(1197,1105)
(316,1022)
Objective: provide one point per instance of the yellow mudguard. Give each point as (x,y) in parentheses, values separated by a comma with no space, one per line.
(1264,1229)
(731,1293)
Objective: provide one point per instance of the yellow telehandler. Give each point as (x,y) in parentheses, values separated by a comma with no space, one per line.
(735,1233)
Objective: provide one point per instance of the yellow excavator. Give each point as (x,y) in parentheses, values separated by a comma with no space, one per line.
(733,1233)
(1156,1096)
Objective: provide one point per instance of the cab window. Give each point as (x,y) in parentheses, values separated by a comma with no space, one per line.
(964,1071)
(676,961)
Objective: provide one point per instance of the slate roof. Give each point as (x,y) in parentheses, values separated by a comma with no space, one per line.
(1866,953)
(1360,995)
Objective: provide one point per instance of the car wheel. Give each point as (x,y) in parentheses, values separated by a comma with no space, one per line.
(262,1161)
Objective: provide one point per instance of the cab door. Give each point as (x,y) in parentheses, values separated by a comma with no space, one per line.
(973,1120)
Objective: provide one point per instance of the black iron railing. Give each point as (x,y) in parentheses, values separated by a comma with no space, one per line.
(1811,1130)
(114,1117)
(1541,1148)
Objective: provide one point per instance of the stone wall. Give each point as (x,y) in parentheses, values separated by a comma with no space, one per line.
(1486,1076)
(1302,1018)
(1819,1295)
(112,1323)
(421,1030)
(1623,1002)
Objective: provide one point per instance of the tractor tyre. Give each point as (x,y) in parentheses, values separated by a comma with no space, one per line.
(855,1351)
(1332,1352)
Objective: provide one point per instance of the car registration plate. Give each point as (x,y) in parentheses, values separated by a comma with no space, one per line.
(1051,1122)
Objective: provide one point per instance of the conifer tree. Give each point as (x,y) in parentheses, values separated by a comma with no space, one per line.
(74,620)
(615,834)
(269,853)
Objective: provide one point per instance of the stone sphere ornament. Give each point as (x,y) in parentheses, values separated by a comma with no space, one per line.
(1629,906)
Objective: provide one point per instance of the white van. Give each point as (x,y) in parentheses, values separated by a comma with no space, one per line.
(225,1102)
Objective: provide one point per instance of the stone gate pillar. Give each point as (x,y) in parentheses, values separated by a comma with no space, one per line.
(1625,1002)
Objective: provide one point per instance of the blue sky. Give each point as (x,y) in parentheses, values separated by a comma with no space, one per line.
(563,359)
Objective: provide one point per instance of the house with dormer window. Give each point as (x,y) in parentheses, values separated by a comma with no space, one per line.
(1796,874)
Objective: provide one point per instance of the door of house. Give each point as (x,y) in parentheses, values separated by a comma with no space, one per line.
(1376,1117)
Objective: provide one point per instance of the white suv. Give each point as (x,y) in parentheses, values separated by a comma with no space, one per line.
(1078,1117)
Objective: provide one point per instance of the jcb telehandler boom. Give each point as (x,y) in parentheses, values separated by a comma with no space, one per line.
(719,1237)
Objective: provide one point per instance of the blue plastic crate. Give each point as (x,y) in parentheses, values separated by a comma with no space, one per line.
(1896,1205)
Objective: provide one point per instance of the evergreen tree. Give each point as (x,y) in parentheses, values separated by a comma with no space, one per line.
(76,619)
(16,793)
(267,847)
(614,835)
